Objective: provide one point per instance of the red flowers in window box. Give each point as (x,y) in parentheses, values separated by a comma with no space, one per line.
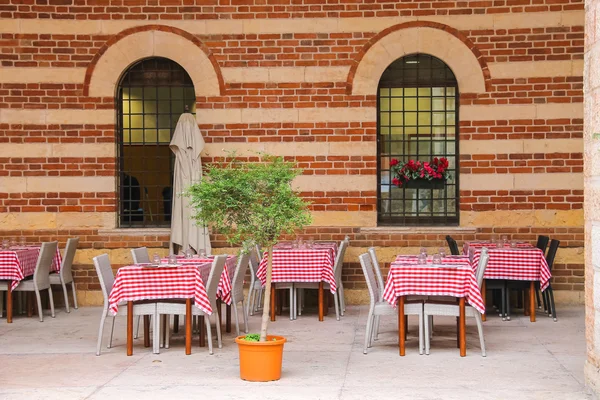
(434,170)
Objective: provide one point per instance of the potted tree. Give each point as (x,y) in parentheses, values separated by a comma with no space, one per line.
(253,203)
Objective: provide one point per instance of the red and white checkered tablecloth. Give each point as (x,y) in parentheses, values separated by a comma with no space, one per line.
(521,264)
(457,280)
(136,283)
(18,263)
(204,264)
(490,245)
(300,265)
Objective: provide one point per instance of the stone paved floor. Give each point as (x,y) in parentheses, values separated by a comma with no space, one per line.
(55,359)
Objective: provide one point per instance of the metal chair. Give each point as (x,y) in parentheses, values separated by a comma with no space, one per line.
(177,308)
(452,245)
(379,307)
(107,279)
(453,310)
(237,290)
(140,256)
(542,243)
(338,296)
(41,278)
(65,274)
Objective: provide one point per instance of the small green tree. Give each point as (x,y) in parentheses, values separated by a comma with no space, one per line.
(251,202)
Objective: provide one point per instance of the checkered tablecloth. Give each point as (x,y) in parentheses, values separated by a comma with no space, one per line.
(18,263)
(136,283)
(204,264)
(457,280)
(521,264)
(300,265)
(489,245)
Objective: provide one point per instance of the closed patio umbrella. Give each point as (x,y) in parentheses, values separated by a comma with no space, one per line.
(187,143)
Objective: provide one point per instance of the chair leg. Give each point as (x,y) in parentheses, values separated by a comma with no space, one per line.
(537,297)
(292,303)
(245,317)
(51,298)
(552,306)
(368,332)
(74,295)
(421,317)
(168,332)
(235,314)
(137,327)
(1,303)
(249,310)
(209,333)
(64,287)
(101,331)
(427,337)
(340,293)
(480,331)
(39,304)
(545,300)
(376,328)
(155,333)
(112,330)
(300,300)
(337,305)
(505,304)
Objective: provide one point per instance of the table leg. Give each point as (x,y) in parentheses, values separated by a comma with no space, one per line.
(483,298)
(175,323)
(401,326)
(146,331)
(462,328)
(202,331)
(273,299)
(228,318)
(130,328)
(9,303)
(321,300)
(219,318)
(188,327)
(532,301)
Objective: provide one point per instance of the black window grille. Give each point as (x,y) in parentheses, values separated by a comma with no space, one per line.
(417,119)
(151,96)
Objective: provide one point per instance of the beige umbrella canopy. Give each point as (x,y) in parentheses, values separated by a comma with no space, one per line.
(187,143)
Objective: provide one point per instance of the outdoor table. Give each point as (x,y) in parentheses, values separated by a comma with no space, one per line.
(224,289)
(456,279)
(300,265)
(524,263)
(16,264)
(139,282)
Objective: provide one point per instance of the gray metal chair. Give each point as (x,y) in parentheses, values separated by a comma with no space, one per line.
(139,256)
(41,278)
(379,307)
(453,310)
(177,308)
(237,290)
(107,279)
(338,296)
(65,275)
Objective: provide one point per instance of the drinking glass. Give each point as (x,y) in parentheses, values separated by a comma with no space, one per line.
(13,242)
(311,242)
(172,259)
(493,239)
(422,260)
(423,251)
(513,244)
(295,244)
(471,254)
(436,260)
(202,253)
(442,251)
(22,241)
(156,258)
(5,244)
(188,253)
(301,244)
(504,239)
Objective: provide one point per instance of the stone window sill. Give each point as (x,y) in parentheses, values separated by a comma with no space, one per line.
(420,230)
(135,231)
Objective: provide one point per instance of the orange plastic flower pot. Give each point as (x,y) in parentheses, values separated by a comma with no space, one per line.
(261,361)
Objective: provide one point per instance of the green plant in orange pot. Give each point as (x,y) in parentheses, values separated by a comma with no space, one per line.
(253,203)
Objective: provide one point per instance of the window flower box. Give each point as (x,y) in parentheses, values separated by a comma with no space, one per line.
(420,175)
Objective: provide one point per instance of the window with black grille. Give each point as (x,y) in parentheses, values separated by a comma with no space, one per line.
(418,120)
(152,95)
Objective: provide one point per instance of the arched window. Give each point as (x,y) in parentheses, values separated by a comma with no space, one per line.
(418,120)
(151,96)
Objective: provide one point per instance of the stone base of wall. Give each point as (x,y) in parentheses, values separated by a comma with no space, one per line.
(592,379)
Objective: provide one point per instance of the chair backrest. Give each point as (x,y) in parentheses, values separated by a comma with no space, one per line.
(212,284)
(339,261)
(140,255)
(105,275)
(41,275)
(453,246)
(377,269)
(552,252)
(254,260)
(542,243)
(483,261)
(237,285)
(367,267)
(67,259)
